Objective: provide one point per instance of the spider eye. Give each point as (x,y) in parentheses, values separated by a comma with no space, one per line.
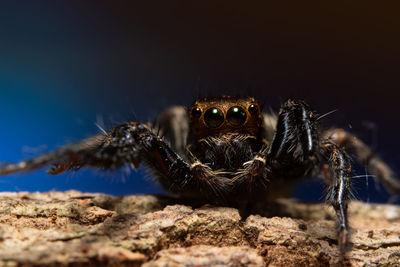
(196,112)
(253,108)
(213,117)
(236,116)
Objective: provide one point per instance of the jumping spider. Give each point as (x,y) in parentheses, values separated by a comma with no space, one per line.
(226,151)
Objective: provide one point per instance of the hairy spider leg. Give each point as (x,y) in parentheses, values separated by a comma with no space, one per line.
(366,156)
(339,186)
(132,143)
(293,150)
(173,172)
(65,158)
(291,154)
(297,149)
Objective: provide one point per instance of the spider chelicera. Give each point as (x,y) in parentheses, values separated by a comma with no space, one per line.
(226,151)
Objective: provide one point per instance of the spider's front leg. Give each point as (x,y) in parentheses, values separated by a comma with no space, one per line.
(297,150)
(131,143)
(292,152)
(107,151)
(173,172)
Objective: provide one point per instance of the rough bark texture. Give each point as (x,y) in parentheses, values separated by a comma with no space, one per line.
(73,228)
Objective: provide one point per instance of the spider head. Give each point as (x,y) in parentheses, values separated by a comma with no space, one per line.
(221,115)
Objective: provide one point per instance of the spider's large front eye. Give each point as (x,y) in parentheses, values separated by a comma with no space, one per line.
(236,116)
(213,117)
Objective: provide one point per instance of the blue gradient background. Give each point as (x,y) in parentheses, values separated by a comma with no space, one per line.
(64,65)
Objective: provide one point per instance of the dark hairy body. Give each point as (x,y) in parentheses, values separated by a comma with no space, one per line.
(226,151)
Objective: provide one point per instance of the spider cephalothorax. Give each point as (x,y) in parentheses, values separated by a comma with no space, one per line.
(224,133)
(217,116)
(224,150)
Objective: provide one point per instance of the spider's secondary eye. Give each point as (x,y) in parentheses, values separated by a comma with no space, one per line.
(196,112)
(253,108)
(236,116)
(213,117)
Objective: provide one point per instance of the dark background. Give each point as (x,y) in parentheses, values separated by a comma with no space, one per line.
(65,65)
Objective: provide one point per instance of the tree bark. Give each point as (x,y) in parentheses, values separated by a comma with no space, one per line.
(80,229)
